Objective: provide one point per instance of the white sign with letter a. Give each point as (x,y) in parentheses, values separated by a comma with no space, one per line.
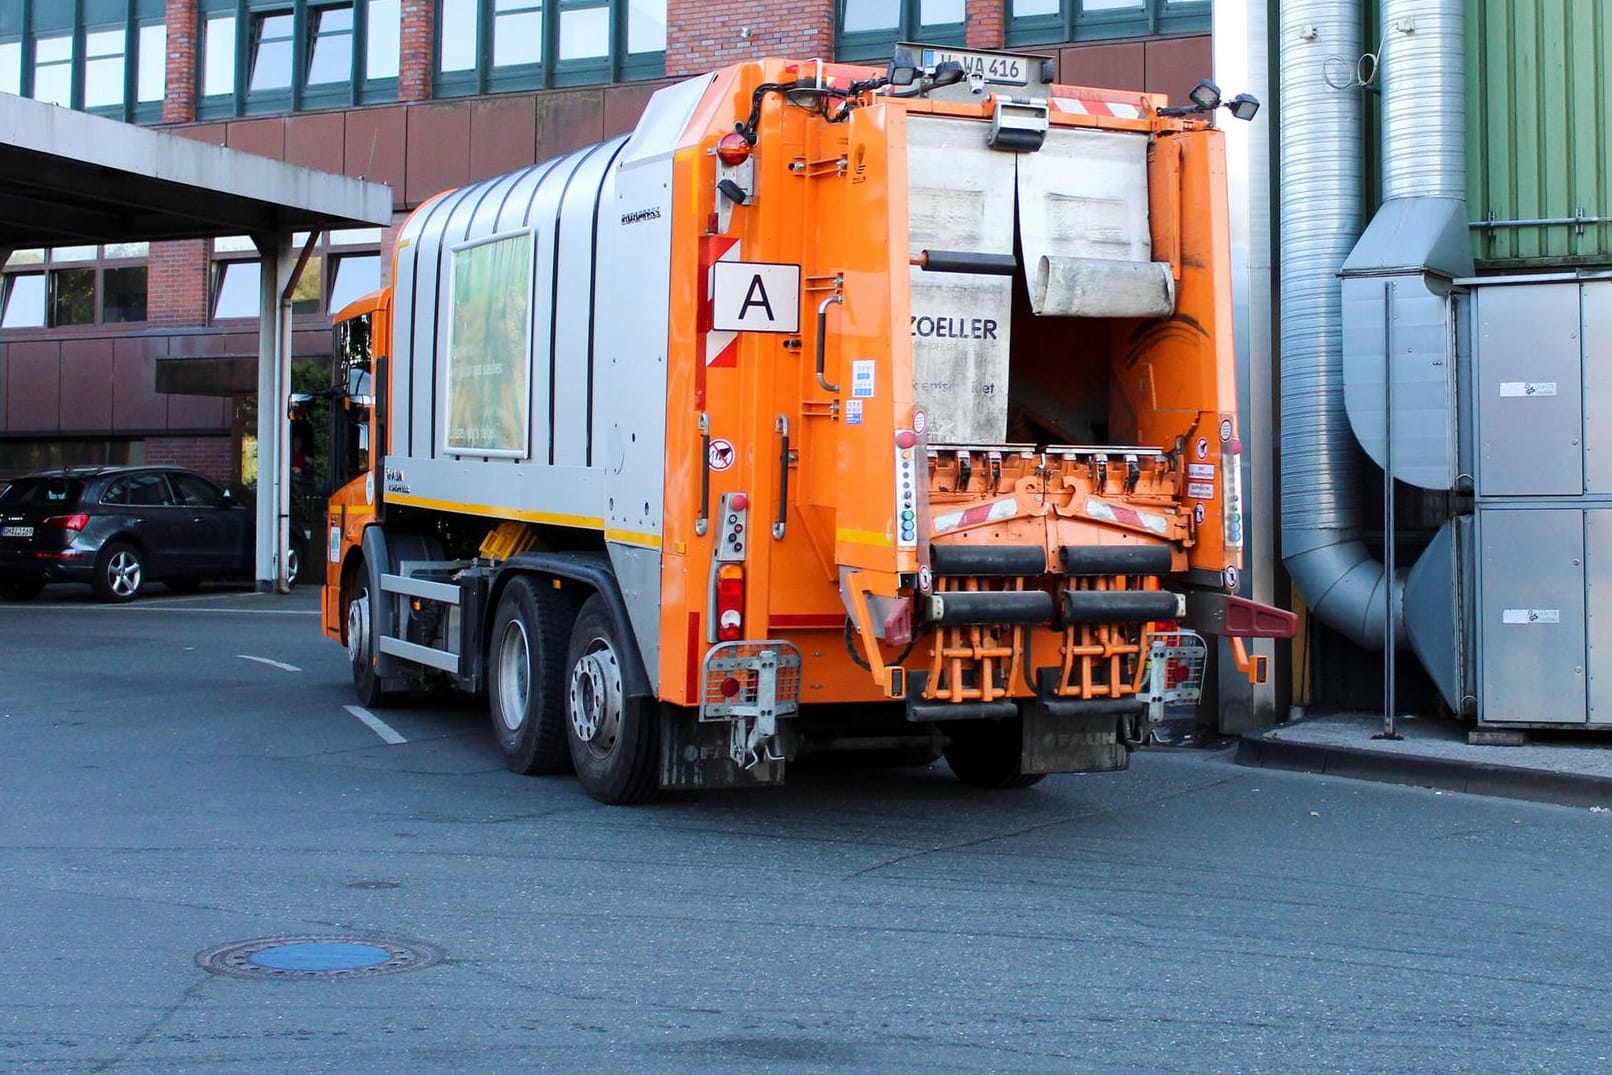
(754,296)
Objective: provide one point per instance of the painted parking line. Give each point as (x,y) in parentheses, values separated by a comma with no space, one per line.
(387,733)
(272,663)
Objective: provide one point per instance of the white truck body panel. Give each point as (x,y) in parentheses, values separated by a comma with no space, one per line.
(961,198)
(589,354)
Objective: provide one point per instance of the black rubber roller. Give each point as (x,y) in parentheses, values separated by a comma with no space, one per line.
(1115,559)
(1118,606)
(995,606)
(1011,561)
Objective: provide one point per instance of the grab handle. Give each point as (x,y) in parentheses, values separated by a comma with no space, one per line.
(822,340)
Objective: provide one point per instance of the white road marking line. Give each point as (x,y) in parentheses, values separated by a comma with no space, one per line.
(264,660)
(387,733)
(216,611)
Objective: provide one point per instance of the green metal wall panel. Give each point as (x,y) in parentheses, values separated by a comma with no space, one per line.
(1539,131)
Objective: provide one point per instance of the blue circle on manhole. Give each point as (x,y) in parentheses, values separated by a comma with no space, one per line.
(317,957)
(314,955)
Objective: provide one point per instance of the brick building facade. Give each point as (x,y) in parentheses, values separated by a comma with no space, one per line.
(437,93)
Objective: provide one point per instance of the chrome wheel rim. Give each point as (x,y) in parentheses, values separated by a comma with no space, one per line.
(123,574)
(358,629)
(595,698)
(514,675)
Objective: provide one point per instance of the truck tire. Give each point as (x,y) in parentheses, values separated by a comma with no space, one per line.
(361,648)
(615,742)
(526,676)
(985,753)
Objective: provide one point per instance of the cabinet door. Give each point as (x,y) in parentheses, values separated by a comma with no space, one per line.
(1531,616)
(1530,398)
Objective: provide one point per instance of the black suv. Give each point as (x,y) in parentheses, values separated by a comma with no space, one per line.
(118,528)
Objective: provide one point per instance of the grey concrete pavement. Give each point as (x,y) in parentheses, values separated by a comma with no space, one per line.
(182,773)
(1571,768)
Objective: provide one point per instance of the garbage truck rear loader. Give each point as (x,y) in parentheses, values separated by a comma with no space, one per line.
(832,408)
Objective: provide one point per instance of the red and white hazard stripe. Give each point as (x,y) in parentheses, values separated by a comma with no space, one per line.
(1123,516)
(1083,107)
(721,348)
(974,516)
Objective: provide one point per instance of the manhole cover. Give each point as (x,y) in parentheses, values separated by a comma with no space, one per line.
(316,957)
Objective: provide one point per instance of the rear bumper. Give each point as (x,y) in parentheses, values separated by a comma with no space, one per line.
(69,565)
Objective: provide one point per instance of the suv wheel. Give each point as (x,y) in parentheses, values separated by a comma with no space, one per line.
(119,572)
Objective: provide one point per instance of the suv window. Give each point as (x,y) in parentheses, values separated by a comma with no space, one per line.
(138,490)
(196,492)
(42,492)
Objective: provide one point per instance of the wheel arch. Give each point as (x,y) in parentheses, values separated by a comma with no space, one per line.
(383,552)
(592,571)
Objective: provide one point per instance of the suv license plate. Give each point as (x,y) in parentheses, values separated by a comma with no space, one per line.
(16,531)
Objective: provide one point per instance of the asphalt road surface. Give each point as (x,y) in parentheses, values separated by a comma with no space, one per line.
(184,773)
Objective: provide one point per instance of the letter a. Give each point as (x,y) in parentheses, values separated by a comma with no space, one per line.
(750,299)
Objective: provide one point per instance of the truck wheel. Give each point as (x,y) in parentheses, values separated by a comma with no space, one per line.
(526,676)
(615,743)
(361,649)
(985,754)
(119,573)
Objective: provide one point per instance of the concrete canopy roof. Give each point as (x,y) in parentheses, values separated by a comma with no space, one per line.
(68,177)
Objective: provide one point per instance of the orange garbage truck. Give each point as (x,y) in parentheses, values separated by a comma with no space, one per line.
(833,408)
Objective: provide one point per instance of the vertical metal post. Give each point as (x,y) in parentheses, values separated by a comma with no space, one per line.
(1390,643)
(274,252)
(1242,42)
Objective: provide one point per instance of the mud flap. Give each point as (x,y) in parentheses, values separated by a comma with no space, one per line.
(696,754)
(1057,742)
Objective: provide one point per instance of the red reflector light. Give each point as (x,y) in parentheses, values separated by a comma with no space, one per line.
(732,149)
(730,687)
(730,606)
(69,522)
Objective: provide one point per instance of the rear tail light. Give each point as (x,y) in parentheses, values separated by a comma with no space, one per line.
(69,522)
(730,603)
(1175,669)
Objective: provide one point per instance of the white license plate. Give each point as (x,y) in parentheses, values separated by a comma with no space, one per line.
(16,531)
(990,66)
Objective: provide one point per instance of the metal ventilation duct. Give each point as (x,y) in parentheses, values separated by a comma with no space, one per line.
(1420,230)
(1424,101)
(1396,281)
(1322,484)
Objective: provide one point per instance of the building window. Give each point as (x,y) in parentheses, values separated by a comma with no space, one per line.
(343,266)
(53,70)
(869,29)
(354,258)
(104,68)
(271,52)
(24,300)
(74,285)
(10,56)
(330,35)
(488,46)
(290,55)
(104,56)
(1037,22)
